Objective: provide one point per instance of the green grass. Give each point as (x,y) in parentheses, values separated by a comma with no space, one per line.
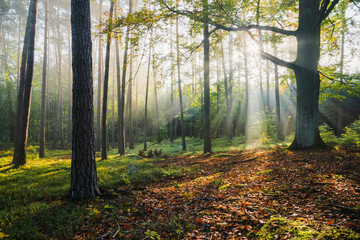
(34,198)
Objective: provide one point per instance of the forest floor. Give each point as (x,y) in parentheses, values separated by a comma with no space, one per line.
(248,194)
(232,195)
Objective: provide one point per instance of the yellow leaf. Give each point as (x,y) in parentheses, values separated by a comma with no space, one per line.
(3,235)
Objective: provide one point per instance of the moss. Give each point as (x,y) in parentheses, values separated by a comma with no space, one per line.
(279,228)
(338,233)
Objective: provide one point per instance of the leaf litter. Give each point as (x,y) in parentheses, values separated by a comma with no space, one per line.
(233,195)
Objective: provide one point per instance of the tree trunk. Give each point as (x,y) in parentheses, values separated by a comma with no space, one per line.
(24,95)
(123,80)
(218,83)
(83,165)
(279,134)
(69,84)
(307,77)
(172,130)
(43,86)
(131,135)
(179,86)
(227,97)
(207,129)
(137,110)
(105,92)
(113,106)
(18,55)
(268,86)
(147,94)
(156,108)
(246,91)
(9,90)
(100,59)
(340,104)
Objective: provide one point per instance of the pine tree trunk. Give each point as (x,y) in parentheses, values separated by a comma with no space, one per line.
(9,90)
(105,92)
(131,135)
(156,108)
(83,165)
(172,88)
(227,97)
(100,59)
(246,91)
(279,134)
(179,86)
(24,95)
(268,86)
(123,80)
(69,84)
(18,55)
(207,129)
(113,106)
(147,94)
(43,86)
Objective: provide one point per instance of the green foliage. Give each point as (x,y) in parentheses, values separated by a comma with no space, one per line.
(351,136)
(327,134)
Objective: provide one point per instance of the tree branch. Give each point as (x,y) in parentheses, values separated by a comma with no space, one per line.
(328,11)
(277,61)
(237,28)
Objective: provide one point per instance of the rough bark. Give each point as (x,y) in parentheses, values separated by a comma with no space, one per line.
(307,76)
(83,165)
(105,92)
(43,86)
(24,94)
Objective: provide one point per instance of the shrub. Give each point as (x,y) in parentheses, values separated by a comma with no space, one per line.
(327,134)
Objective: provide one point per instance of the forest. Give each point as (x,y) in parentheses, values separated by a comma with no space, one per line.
(161,119)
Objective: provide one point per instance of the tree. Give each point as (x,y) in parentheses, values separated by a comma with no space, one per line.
(179,86)
(122,99)
(24,93)
(207,136)
(98,112)
(83,165)
(43,86)
(105,92)
(147,93)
